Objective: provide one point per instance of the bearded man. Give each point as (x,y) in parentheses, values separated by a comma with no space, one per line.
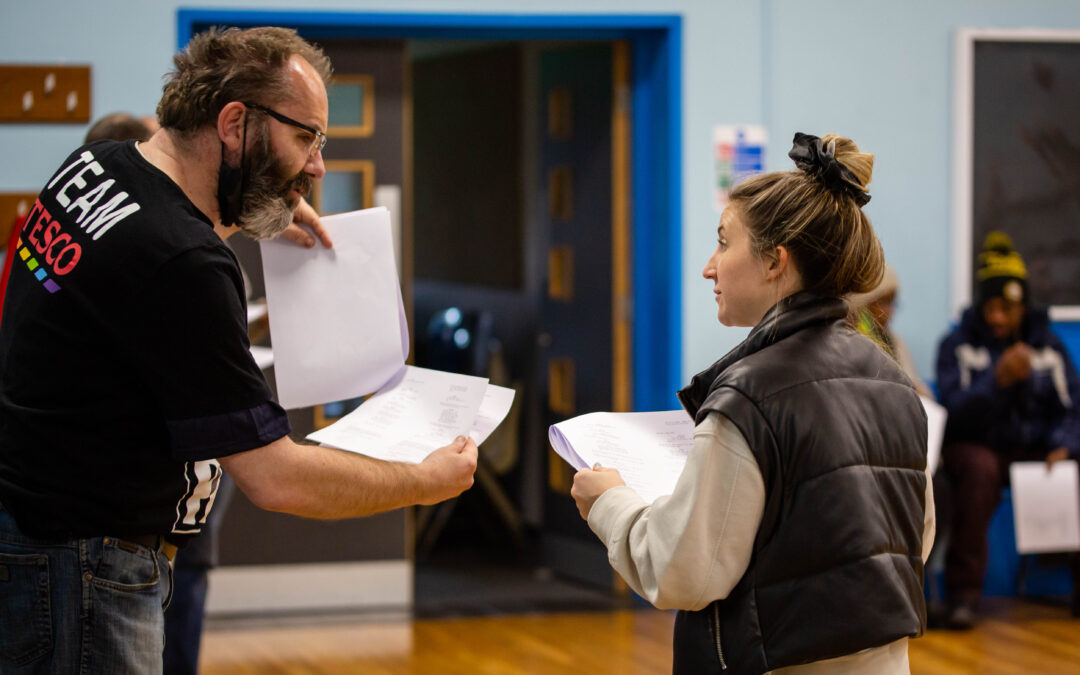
(126,385)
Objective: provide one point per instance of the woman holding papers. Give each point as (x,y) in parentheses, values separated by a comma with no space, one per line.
(795,537)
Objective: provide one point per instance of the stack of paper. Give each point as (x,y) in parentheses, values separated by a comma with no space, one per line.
(1046,506)
(336,317)
(418,411)
(648,448)
(339,332)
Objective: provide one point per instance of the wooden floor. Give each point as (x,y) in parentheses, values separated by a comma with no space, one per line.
(1013,637)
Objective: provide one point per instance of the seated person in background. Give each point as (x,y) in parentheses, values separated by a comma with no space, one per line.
(1011,392)
(870,315)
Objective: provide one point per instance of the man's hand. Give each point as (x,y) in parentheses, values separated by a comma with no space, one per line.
(449,470)
(1056,455)
(589,484)
(1014,365)
(306,216)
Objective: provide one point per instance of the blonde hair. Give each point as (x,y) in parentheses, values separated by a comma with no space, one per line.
(823,229)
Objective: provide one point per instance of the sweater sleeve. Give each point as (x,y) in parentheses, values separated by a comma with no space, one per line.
(689,548)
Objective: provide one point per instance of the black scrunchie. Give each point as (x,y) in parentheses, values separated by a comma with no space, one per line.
(820,161)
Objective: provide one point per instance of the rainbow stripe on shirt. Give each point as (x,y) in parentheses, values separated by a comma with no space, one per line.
(35,267)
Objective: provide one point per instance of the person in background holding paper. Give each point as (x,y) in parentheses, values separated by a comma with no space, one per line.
(795,538)
(126,384)
(1012,394)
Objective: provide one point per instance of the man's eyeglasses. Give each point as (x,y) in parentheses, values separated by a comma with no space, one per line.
(320,137)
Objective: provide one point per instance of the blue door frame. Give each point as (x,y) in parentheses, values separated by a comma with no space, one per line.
(656,43)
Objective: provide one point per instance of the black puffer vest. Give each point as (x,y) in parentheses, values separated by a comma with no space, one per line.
(840,437)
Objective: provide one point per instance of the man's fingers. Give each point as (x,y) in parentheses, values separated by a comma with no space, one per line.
(297,235)
(469,448)
(305,215)
(322,234)
(317,229)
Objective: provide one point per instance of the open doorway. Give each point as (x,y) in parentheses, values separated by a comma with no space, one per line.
(521,257)
(509,271)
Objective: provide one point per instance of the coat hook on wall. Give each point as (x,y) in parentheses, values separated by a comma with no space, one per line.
(44,93)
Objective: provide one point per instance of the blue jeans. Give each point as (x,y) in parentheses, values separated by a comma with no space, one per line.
(184,618)
(93,605)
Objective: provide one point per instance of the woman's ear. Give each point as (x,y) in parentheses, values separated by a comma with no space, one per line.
(230,125)
(776,263)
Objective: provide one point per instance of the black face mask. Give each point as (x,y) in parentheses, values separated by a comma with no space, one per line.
(230,187)
(230,192)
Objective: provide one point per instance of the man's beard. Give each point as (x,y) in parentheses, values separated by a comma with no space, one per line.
(265,203)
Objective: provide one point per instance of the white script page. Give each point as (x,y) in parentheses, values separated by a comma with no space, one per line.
(936,416)
(1046,506)
(416,413)
(648,448)
(493,410)
(336,315)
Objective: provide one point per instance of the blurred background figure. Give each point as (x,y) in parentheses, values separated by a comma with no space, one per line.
(871,313)
(151,123)
(120,126)
(1011,391)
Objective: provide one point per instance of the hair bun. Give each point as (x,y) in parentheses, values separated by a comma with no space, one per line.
(836,162)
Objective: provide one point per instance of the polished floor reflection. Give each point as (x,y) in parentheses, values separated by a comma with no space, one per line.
(1013,637)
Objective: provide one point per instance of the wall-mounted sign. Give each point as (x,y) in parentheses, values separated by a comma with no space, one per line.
(738,152)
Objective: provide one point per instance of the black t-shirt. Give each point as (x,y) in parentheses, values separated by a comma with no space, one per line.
(124,363)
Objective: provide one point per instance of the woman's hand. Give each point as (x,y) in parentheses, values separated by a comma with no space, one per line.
(589,484)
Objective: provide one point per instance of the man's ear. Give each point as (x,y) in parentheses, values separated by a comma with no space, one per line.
(230,125)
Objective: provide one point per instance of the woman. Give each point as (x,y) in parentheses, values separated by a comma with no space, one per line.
(795,538)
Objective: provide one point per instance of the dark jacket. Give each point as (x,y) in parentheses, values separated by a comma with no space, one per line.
(840,437)
(1037,414)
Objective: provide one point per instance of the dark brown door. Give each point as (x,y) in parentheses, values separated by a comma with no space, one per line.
(585,315)
(365,156)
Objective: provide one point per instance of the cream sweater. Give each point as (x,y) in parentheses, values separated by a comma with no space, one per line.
(689,548)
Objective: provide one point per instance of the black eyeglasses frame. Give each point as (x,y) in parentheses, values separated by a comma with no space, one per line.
(320,136)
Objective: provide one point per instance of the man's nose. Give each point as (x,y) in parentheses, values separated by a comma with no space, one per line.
(315,166)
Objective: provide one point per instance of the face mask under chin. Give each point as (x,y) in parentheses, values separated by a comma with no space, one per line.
(230,186)
(260,206)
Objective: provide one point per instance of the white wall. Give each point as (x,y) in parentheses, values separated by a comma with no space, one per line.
(879,72)
(882,73)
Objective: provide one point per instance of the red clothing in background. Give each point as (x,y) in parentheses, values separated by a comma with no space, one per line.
(9,257)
